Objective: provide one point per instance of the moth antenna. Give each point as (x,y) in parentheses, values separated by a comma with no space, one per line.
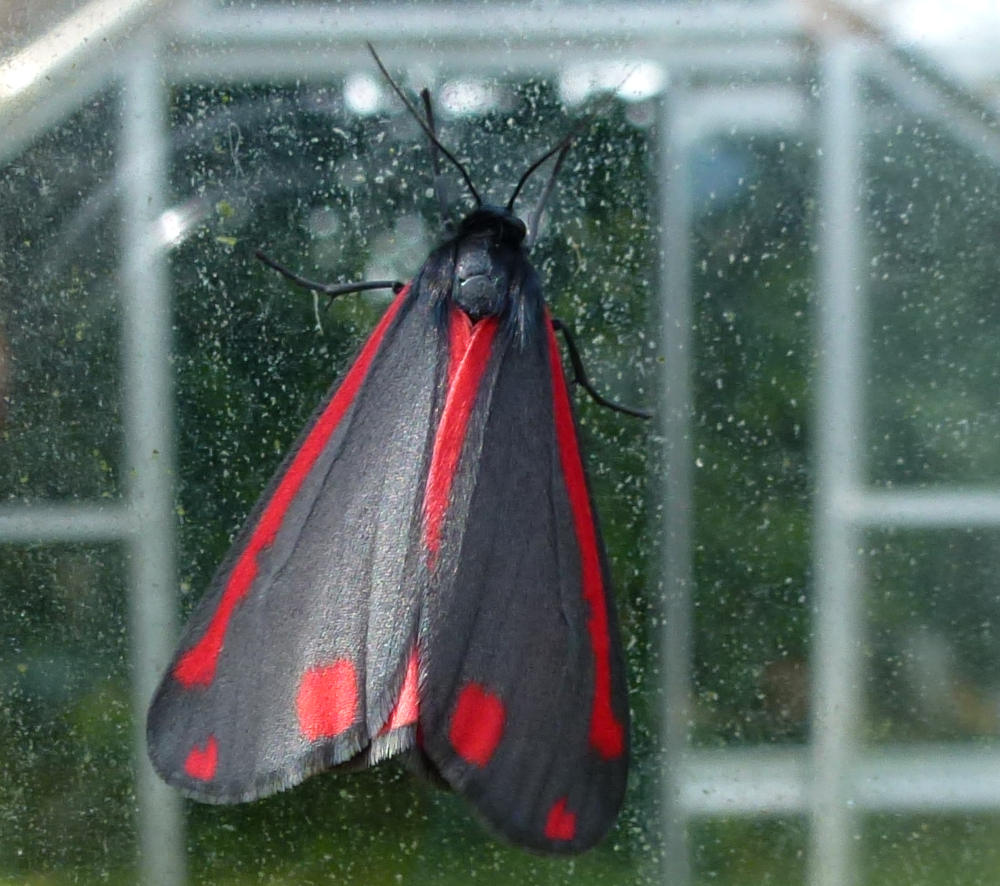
(439,193)
(425,126)
(561,148)
(563,145)
(535,221)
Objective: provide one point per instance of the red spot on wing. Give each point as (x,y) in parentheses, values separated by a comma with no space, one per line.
(607,735)
(202,760)
(477,724)
(407,706)
(196,667)
(469,349)
(327,700)
(560,823)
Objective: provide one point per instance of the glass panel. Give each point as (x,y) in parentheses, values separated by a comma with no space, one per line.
(67,802)
(59,317)
(384,826)
(753,276)
(331,177)
(928,850)
(749,852)
(934,652)
(930,222)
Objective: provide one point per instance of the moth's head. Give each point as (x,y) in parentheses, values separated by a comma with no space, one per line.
(488,256)
(495,223)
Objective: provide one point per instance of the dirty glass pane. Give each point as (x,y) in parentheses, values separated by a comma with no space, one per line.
(929,219)
(749,852)
(753,278)
(925,850)
(302,151)
(60,408)
(934,650)
(931,604)
(66,731)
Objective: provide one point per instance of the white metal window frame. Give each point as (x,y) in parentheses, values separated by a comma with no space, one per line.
(758,53)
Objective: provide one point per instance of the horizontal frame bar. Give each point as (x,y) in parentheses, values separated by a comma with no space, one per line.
(930,508)
(55,523)
(897,778)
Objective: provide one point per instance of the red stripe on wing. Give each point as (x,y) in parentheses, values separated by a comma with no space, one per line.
(407,707)
(607,734)
(469,347)
(196,667)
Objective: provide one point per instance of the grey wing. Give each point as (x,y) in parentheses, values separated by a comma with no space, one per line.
(295,659)
(524,705)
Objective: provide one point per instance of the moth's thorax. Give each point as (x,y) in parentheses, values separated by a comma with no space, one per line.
(489,261)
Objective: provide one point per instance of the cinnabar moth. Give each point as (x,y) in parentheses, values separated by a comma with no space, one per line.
(425,573)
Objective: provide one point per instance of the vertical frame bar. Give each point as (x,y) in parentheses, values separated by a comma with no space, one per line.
(149,411)
(677,485)
(839,423)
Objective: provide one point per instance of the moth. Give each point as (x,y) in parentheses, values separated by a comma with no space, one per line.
(425,574)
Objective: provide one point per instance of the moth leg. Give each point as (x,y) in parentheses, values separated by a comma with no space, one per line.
(330,289)
(580,375)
